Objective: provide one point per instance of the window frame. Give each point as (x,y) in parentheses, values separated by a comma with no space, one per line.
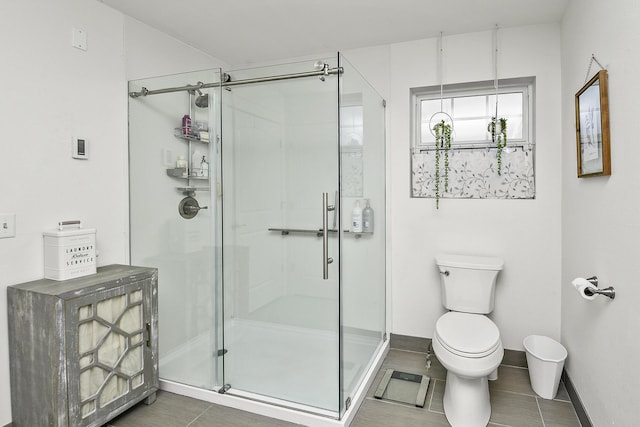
(525,85)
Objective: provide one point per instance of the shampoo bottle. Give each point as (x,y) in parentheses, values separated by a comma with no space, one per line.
(356,218)
(204,167)
(367,218)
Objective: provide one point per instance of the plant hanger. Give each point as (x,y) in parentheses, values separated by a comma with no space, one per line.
(497,126)
(441,127)
(441,115)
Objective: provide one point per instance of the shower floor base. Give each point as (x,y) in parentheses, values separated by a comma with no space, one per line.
(284,410)
(294,364)
(290,363)
(288,349)
(277,363)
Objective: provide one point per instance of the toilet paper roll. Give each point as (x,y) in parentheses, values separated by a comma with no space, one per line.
(581,284)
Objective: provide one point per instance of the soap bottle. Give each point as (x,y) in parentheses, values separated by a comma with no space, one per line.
(367,218)
(181,163)
(356,218)
(204,167)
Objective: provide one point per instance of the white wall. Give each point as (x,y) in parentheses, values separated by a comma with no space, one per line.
(526,233)
(150,53)
(51,92)
(600,227)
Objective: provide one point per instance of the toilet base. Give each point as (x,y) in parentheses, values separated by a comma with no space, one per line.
(466,401)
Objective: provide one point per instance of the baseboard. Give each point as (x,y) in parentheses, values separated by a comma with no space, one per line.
(409,343)
(517,358)
(575,399)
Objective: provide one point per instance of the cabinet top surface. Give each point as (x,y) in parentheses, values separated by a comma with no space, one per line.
(107,276)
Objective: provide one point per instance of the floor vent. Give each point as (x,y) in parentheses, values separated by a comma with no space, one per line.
(403,387)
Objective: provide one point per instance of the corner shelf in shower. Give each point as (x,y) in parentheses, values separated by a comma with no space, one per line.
(178,134)
(182,173)
(191,191)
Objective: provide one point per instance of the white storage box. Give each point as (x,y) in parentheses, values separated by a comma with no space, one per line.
(69,251)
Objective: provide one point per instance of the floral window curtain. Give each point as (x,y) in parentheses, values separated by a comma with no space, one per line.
(473,173)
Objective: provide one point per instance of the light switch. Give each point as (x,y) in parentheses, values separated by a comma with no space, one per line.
(79,39)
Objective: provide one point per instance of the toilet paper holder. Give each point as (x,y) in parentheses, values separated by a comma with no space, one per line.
(609,292)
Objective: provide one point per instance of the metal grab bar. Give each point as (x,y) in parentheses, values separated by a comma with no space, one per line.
(326,260)
(315,231)
(287,231)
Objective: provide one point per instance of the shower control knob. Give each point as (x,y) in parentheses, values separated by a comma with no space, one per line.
(189,207)
(194,208)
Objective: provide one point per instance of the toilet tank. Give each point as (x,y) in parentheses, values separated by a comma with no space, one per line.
(468,282)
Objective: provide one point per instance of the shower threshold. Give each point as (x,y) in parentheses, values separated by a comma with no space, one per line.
(279,409)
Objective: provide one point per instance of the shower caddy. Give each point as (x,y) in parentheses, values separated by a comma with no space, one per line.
(189,206)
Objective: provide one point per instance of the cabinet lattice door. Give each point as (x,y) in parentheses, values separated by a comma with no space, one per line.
(109,341)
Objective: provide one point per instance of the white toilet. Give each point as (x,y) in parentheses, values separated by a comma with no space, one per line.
(465,341)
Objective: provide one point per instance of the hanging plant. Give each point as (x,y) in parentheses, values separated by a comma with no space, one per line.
(442,132)
(498,130)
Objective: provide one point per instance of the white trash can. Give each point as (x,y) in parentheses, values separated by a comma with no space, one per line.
(545,358)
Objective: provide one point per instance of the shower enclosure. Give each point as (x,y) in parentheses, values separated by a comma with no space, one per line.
(265,290)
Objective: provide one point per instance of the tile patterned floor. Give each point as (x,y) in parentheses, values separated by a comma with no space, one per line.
(172,410)
(513,402)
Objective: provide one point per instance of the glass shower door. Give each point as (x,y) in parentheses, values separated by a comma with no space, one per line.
(363,263)
(182,249)
(281,295)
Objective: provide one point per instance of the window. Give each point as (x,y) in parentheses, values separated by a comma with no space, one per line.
(352,144)
(471,107)
(351,125)
(473,171)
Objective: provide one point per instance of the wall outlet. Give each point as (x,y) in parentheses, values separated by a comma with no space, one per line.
(7,225)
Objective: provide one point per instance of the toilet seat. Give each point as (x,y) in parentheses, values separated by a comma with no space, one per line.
(467,335)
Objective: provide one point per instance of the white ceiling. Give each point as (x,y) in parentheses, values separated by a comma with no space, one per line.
(256,31)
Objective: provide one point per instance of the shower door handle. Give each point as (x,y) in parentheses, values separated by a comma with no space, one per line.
(326,260)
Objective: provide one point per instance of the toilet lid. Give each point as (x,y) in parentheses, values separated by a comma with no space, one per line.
(467,335)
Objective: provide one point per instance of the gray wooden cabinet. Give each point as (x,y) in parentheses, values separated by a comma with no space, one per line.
(83,350)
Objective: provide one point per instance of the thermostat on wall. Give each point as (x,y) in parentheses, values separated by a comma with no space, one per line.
(80,148)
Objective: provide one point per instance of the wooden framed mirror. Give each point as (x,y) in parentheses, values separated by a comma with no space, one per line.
(592,127)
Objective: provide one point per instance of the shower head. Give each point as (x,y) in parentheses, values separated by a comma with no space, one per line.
(202,101)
